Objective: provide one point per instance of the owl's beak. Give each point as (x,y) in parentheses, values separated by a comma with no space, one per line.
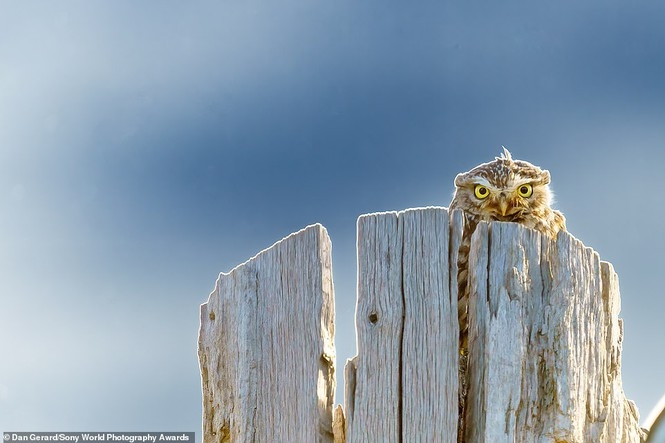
(503,205)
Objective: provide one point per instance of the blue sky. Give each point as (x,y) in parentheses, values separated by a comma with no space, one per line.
(145,149)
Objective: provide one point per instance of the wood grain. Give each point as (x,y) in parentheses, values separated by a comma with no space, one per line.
(266,348)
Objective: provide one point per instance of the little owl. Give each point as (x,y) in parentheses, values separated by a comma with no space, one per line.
(502,190)
(508,190)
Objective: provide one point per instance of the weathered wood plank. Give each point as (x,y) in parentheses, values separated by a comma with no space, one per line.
(476,420)
(375,412)
(622,420)
(544,341)
(266,347)
(431,329)
(457,222)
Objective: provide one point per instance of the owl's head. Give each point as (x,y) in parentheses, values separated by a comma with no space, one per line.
(503,189)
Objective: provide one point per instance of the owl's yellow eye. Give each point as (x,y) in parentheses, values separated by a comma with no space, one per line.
(525,190)
(481,191)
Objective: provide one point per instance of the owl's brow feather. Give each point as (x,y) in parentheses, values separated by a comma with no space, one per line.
(515,184)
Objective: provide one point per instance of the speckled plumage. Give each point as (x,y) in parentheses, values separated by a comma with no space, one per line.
(500,184)
(503,177)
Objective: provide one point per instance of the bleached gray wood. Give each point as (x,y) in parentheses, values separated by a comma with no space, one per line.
(544,341)
(431,329)
(266,348)
(623,420)
(373,406)
(402,385)
(476,419)
(456,235)
(350,395)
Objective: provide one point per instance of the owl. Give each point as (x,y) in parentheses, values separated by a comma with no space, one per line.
(508,190)
(502,190)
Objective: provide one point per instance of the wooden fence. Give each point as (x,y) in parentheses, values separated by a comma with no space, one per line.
(544,340)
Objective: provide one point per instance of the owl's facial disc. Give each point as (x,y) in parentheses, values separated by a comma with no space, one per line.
(504,203)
